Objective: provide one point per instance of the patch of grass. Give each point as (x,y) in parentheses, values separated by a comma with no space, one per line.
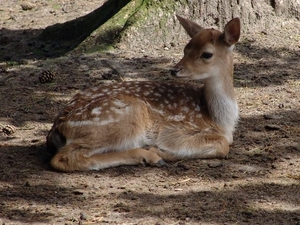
(56,7)
(12,63)
(100,48)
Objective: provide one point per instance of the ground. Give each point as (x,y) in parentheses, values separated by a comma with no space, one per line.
(258,183)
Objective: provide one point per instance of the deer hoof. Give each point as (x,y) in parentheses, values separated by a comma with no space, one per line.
(161,163)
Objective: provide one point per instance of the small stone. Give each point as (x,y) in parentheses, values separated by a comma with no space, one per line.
(265,102)
(83,216)
(27,5)
(188,219)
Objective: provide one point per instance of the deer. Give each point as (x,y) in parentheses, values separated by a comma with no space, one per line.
(155,122)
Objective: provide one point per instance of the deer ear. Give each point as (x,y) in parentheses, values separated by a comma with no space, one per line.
(232,31)
(190,27)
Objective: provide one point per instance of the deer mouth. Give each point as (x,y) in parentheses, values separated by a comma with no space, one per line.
(182,77)
(177,73)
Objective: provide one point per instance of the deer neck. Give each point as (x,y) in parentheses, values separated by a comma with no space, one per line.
(221,102)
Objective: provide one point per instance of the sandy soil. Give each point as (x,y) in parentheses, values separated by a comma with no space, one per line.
(259,182)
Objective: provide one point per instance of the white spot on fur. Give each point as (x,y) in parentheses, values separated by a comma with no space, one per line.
(118,110)
(88,94)
(119,103)
(185,109)
(96,111)
(98,95)
(80,123)
(92,122)
(160,112)
(178,117)
(72,103)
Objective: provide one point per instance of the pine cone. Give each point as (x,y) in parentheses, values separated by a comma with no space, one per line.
(46,76)
(8,129)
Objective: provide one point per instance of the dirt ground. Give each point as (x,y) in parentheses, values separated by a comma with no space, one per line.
(259,182)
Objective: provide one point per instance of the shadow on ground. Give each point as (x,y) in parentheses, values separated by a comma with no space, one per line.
(27,179)
(262,144)
(56,40)
(229,206)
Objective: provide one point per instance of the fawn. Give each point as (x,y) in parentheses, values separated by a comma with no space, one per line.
(150,122)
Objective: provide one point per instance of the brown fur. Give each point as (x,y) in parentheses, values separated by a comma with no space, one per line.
(133,123)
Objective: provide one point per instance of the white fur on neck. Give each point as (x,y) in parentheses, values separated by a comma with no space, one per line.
(222,107)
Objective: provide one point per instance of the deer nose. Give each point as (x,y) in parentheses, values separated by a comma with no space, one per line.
(174,71)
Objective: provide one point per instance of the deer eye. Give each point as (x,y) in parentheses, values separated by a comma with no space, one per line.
(206,55)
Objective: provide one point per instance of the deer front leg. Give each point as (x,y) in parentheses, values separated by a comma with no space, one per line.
(167,156)
(71,158)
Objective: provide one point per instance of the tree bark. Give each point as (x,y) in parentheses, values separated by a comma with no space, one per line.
(152,23)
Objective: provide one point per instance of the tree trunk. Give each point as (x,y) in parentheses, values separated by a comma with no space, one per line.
(153,23)
(146,24)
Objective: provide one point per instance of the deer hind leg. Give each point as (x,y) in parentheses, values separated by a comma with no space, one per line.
(73,158)
(174,145)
